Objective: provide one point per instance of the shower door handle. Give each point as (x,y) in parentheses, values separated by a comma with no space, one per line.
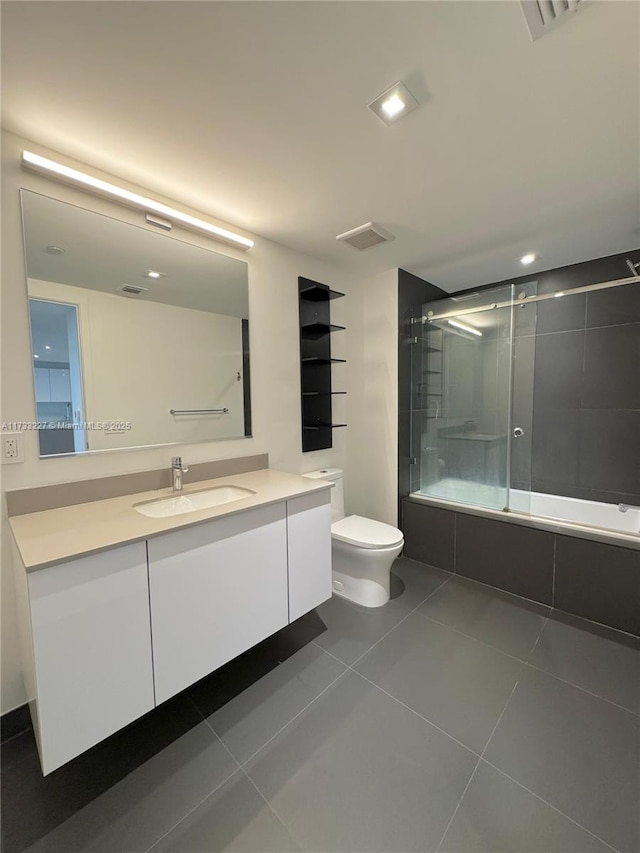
(518,432)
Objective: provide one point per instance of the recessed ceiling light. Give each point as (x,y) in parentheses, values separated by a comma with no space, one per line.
(55,250)
(529,258)
(393,104)
(46,346)
(154,274)
(35,355)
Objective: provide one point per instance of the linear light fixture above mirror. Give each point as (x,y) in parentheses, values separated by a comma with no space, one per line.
(66,174)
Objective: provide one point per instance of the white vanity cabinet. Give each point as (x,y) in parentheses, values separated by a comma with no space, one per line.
(91,650)
(107,637)
(216,589)
(309,552)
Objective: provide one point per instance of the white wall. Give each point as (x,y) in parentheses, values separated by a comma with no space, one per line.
(161,357)
(275,379)
(373,460)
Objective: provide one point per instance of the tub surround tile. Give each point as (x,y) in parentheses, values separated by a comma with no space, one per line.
(597,659)
(498,619)
(599,582)
(615,306)
(558,370)
(453,681)
(510,557)
(610,451)
(577,752)
(612,367)
(377,776)
(555,450)
(429,535)
(497,815)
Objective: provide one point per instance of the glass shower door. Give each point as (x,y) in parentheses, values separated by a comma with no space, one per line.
(471,399)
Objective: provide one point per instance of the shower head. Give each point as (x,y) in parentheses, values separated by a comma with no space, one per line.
(634,267)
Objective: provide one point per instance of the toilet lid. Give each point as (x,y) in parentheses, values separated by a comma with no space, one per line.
(365,532)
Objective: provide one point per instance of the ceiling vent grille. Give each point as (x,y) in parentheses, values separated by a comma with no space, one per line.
(544,15)
(365,236)
(133,289)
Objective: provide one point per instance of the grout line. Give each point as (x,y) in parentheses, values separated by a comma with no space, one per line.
(473,639)
(553,574)
(551,806)
(269,806)
(475,769)
(301,711)
(540,632)
(582,689)
(197,806)
(397,625)
(417,714)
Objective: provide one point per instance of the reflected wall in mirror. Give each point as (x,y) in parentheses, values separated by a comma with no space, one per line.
(127,325)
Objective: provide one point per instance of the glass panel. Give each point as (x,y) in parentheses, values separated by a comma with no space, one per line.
(462,399)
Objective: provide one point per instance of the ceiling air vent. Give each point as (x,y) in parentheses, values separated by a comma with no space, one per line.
(133,289)
(544,15)
(365,236)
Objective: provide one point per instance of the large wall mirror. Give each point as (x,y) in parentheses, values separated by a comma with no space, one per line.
(137,338)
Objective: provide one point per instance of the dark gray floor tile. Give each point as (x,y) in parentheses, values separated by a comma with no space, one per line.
(413,582)
(577,752)
(248,721)
(498,816)
(601,661)
(142,807)
(33,805)
(233,818)
(457,683)
(599,582)
(358,772)
(508,556)
(352,629)
(429,534)
(508,623)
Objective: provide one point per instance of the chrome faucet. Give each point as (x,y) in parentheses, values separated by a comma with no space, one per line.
(177,470)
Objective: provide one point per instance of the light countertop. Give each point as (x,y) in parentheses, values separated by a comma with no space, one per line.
(56,535)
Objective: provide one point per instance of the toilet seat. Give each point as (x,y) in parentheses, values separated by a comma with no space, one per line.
(365,532)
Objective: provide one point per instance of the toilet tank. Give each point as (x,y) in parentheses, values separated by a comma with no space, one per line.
(335,476)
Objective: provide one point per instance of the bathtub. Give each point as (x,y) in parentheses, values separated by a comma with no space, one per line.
(554,509)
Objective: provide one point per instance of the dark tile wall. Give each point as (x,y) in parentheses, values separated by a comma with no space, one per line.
(413,292)
(585,439)
(591,579)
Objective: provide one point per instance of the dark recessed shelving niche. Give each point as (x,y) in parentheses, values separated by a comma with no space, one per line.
(316,389)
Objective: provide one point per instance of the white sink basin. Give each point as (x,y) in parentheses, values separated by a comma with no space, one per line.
(192,501)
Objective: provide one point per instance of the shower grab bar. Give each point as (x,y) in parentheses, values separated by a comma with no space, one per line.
(525,300)
(198,411)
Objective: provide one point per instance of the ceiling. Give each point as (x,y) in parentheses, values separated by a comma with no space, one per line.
(102,254)
(255,112)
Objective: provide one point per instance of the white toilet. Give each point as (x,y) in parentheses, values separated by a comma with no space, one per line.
(362,550)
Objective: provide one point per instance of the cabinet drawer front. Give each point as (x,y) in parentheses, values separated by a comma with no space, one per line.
(216,589)
(309,552)
(92,650)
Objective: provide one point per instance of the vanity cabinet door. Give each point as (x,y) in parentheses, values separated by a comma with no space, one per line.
(91,648)
(309,551)
(216,589)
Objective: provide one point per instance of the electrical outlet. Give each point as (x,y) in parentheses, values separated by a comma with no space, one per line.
(12,448)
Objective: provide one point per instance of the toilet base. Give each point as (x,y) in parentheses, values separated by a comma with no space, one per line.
(362,575)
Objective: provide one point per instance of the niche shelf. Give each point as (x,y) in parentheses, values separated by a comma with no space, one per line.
(316,390)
